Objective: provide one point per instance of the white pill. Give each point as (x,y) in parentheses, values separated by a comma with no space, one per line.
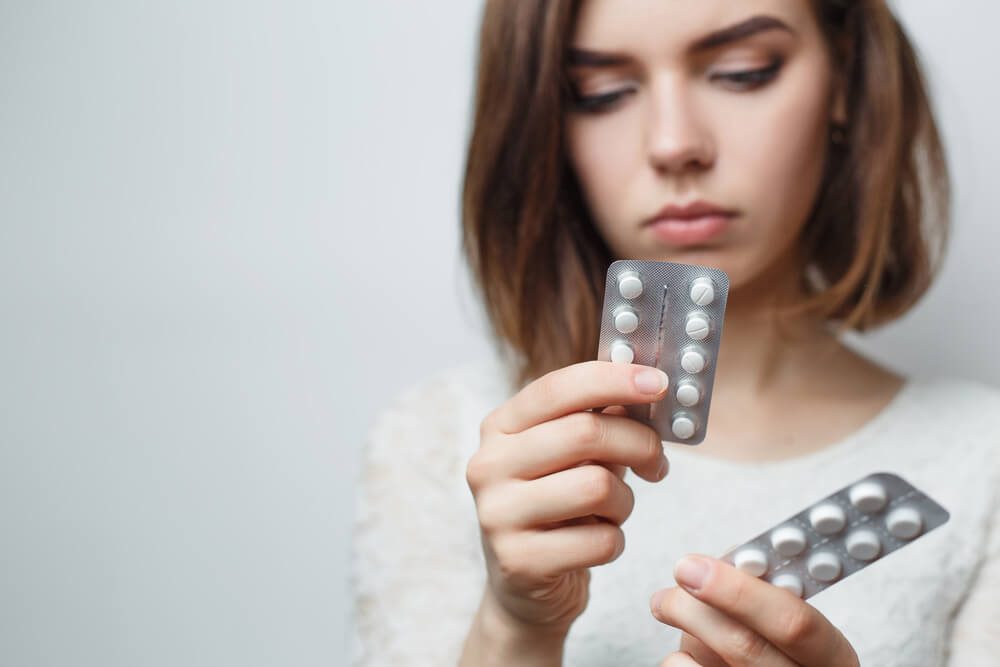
(697,326)
(703,291)
(688,394)
(683,427)
(693,361)
(904,523)
(789,582)
(863,544)
(626,320)
(868,496)
(828,519)
(824,566)
(629,285)
(752,561)
(788,541)
(622,352)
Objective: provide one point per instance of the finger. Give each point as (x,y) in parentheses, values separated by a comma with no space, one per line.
(618,411)
(584,436)
(591,490)
(680,659)
(576,388)
(784,620)
(542,554)
(734,642)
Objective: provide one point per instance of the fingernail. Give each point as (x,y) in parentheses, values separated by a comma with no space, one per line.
(655,601)
(651,381)
(691,572)
(663,469)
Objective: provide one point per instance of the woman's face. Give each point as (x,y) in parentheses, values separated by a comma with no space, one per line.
(723,102)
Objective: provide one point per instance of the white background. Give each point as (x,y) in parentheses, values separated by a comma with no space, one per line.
(228,234)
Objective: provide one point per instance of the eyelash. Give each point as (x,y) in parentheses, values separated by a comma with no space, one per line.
(744,81)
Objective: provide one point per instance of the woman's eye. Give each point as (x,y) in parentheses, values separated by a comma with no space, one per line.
(598,103)
(748,79)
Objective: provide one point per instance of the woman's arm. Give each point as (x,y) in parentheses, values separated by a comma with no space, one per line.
(496,639)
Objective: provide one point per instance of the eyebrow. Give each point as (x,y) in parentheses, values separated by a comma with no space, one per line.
(751,26)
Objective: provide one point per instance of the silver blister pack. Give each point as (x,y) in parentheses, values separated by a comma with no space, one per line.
(668,316)
(839,535)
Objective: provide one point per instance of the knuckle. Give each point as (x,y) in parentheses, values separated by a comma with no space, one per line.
(511,563)
(586,429)
(488,426)
(598,485)
(798,624)
(747,645)
(609,542)
(479,470)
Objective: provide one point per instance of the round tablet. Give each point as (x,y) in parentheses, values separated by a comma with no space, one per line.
(626,320)
(752,561)
(697,326)
(864,544)
(904,523)
(703,291)
(824,566)
(789,582)
(868,496)
(693,361)
(683,427)
(788,541)
(629,285)
(688,394)
(622,352)
(827,519)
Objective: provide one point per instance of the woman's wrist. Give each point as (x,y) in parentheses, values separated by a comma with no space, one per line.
(497,638)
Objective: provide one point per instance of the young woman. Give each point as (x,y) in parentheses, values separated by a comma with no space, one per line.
(791,144)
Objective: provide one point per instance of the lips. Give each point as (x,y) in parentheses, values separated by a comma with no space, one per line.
(695,223)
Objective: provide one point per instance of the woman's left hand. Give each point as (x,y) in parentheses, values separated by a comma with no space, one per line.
(732,619)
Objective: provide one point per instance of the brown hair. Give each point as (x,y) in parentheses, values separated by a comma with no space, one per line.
(871,245)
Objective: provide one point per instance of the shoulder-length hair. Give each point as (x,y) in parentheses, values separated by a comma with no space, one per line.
(871,245)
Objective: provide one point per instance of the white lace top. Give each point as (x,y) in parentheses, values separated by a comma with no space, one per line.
(418,566)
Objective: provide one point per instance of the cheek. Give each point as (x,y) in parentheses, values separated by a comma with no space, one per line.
(603,153)
(783,148)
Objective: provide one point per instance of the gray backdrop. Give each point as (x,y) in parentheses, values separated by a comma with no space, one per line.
(228,233)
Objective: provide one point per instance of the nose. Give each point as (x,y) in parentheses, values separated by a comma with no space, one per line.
(678,138)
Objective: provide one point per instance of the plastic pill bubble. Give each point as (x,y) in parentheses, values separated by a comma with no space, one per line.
(789,582)
(864,544)
(697,326)
(868,496)
(751,561)
(626,320)
(824,566)
(702,291)
(629,285)
(683,427)
(688,394)
(904,523)
(828,519)
(788,541)
(622,352)
(693,361)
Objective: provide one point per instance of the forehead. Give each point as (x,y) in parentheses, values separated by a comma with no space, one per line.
(657,27)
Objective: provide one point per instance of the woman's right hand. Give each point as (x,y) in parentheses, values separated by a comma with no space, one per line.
(547,481)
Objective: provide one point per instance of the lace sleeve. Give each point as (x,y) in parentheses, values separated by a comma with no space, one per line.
(417,571)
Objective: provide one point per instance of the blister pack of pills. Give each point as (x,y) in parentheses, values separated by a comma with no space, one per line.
(668,316)
(839,535)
